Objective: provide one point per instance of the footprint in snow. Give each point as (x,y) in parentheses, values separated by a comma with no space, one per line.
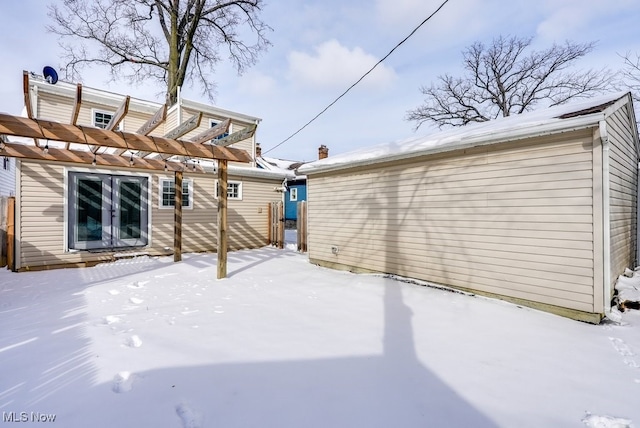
(595,421)
(138,284)
(620,346)
(114,292)
(122,382)
(111,319)
(625,351)
(189,417)
(135,300)
(134,341)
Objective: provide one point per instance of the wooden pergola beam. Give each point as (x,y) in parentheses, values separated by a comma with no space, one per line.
(43,129)
(76,105)
(119,114)
(185,127)
(236,137)
(154,121)
(87,158)
(27,97)
(76,108)
(212,132)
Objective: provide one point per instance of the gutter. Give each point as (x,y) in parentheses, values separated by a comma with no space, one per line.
(606,217)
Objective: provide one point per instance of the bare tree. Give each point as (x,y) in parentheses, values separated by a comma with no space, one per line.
(631,74)
(506,78)
(172,41)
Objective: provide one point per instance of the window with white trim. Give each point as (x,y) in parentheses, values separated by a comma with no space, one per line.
(102,118)
(293,194)
(234,190)
(213,123)
(167,193)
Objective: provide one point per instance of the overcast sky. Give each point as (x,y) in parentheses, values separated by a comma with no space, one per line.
(321,47)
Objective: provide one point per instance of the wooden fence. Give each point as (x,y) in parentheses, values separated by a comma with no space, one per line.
(7,233)
(276,224)
(301,224)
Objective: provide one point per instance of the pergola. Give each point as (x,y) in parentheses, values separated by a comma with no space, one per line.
(111,148)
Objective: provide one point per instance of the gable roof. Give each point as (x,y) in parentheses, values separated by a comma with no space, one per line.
(571,116)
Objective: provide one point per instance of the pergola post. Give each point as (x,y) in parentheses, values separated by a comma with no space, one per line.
(222,219)
(177,218)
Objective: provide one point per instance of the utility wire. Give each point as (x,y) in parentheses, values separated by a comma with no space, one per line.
(360,79)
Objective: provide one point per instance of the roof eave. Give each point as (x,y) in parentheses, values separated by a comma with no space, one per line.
(566,125)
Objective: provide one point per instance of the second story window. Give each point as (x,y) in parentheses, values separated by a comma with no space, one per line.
(101,118)
(214,122)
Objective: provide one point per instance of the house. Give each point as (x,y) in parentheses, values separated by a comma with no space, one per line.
(80,212)
(295,186)
(538,209)
(7,176)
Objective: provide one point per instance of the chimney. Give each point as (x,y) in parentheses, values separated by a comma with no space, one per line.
(258,150)
(323,152)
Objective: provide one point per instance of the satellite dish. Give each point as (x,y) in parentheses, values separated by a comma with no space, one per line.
(50,75)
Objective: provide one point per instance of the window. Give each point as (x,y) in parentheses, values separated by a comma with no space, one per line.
(234,190)
(107,211)
(293,194)
(101,118)
(221,136)
(167,197)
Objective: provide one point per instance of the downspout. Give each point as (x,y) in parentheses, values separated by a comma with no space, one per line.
(179,112)
(606,217)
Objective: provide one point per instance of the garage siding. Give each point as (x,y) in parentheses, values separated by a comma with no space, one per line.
(511,219)
(623,191)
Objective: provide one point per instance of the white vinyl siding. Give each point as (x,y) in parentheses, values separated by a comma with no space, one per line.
(514,219)
(7,176)
(623,191)
(41,232)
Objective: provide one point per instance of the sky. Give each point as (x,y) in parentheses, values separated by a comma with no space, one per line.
(284,343)
(321,47)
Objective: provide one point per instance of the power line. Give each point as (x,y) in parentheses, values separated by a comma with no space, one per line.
(360,79)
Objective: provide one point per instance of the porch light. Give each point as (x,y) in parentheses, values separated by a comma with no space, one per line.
(94,160)
(46,148)
(131,160)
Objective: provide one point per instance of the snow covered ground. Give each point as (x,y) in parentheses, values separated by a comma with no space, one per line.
(282,343)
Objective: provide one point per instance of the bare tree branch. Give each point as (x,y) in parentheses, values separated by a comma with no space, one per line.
(172,41)
(503,79)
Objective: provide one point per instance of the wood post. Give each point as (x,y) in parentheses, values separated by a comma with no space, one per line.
(280,225)
(269,222)
(301,225)
(11,233)
(177,217)
(222,219)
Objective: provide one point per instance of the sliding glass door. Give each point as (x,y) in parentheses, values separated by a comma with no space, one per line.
(107,211)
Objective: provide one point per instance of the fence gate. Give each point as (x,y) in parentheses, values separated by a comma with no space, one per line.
(7,235)
(276,224)
(301,225)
